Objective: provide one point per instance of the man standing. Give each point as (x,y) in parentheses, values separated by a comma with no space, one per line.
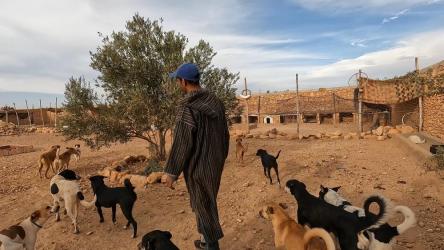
(200,147)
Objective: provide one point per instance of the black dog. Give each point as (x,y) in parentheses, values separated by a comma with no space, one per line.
(315,212)
(157,240)
(268,162)
(110,197)
(435,148)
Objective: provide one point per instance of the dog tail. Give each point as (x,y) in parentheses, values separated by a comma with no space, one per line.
(374,221)
(86,203)
(409,218)
(319,232)
(277,156)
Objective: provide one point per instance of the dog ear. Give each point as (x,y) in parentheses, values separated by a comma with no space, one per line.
(270,210)
(168,234)
(336,189)
(322,187)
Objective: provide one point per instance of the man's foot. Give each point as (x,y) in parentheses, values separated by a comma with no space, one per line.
(199,244)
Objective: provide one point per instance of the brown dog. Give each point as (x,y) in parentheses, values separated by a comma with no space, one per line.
(240,149)
(47,159)
(292,236)
(24,235)
(61,161)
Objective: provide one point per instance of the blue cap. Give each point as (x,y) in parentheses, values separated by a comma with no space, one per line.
(187,71)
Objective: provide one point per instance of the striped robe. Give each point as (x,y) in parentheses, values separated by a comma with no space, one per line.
(199,150)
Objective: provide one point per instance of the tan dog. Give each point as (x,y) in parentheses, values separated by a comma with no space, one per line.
(47,159)
(240,149)
(292,236)
(61,161)
(24,235)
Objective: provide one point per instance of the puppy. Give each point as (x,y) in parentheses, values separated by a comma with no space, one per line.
(290,235)
(77,156)
(315,212)
(380,238)
(62,160)
(240,149)
(65,186)
(110,197)
(138,181)
(269,162)
(24,234)
(157,240)
(46,159)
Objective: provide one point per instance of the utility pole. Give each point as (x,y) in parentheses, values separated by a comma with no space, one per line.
(359,105)
(297,103)
(420,97)
(246,106)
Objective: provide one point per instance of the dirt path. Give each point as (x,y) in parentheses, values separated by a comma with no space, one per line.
(357,165)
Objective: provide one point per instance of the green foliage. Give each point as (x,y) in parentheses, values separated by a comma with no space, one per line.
(139,99)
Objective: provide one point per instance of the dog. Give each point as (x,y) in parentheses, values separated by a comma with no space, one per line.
(240,149)
(110,197)
(435,148)
(65,186)
(62,160)
(269,162)
(46,159)
(157,240)
(316,212)
(290,235)
(380,238)
(24,234)
(77,156)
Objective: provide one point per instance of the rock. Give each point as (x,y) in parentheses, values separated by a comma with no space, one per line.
(441,226)
(249,136)
(348,137)
(416,139)
(353,134)
(402,182)
(89,233)
(335,137)
(337,133)
(378,186)
(263,137)
(272,136)
(381,137)
(239,220)
(430,230)
(181,211)
(387,129)
(247,184)
(282,133)
(369,137)
(379,131)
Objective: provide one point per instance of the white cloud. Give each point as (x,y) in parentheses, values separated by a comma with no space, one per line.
(365,5)
(394,17)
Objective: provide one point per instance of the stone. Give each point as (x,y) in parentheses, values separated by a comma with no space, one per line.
(369,137)
(249,136)
(247,184)
(337,133)
(282,133)
(272,136)
(421,224)
(387,129)
(181,211)
(335,137)
(89,233)
(263,137)
(348,137)
(379,131)
(273,131)
(381,137)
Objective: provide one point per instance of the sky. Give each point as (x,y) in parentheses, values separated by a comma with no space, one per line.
(44,42)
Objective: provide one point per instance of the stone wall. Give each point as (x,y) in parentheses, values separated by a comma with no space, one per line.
(434,115)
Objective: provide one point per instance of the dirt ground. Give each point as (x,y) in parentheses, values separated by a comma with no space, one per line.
(361,167)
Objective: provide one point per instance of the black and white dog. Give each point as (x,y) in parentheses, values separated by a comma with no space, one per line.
(157,240)
(110,197)
(315,212)
(64,186)
(269,162)
(380,238)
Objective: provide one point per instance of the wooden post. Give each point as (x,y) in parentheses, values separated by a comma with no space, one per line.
(27,110)
(359,105)
(419,98)
(246,107)
(41,113)
(55,117)
(7,115)
(334,110)
(16,114)
(297,104)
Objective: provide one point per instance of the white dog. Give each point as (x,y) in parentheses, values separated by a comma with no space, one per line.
(65,186)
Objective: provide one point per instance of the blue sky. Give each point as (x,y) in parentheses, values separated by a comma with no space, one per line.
(44,42)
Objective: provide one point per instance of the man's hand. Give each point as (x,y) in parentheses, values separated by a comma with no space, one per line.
(168,180)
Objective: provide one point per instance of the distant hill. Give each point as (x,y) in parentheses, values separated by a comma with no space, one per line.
(48,99)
